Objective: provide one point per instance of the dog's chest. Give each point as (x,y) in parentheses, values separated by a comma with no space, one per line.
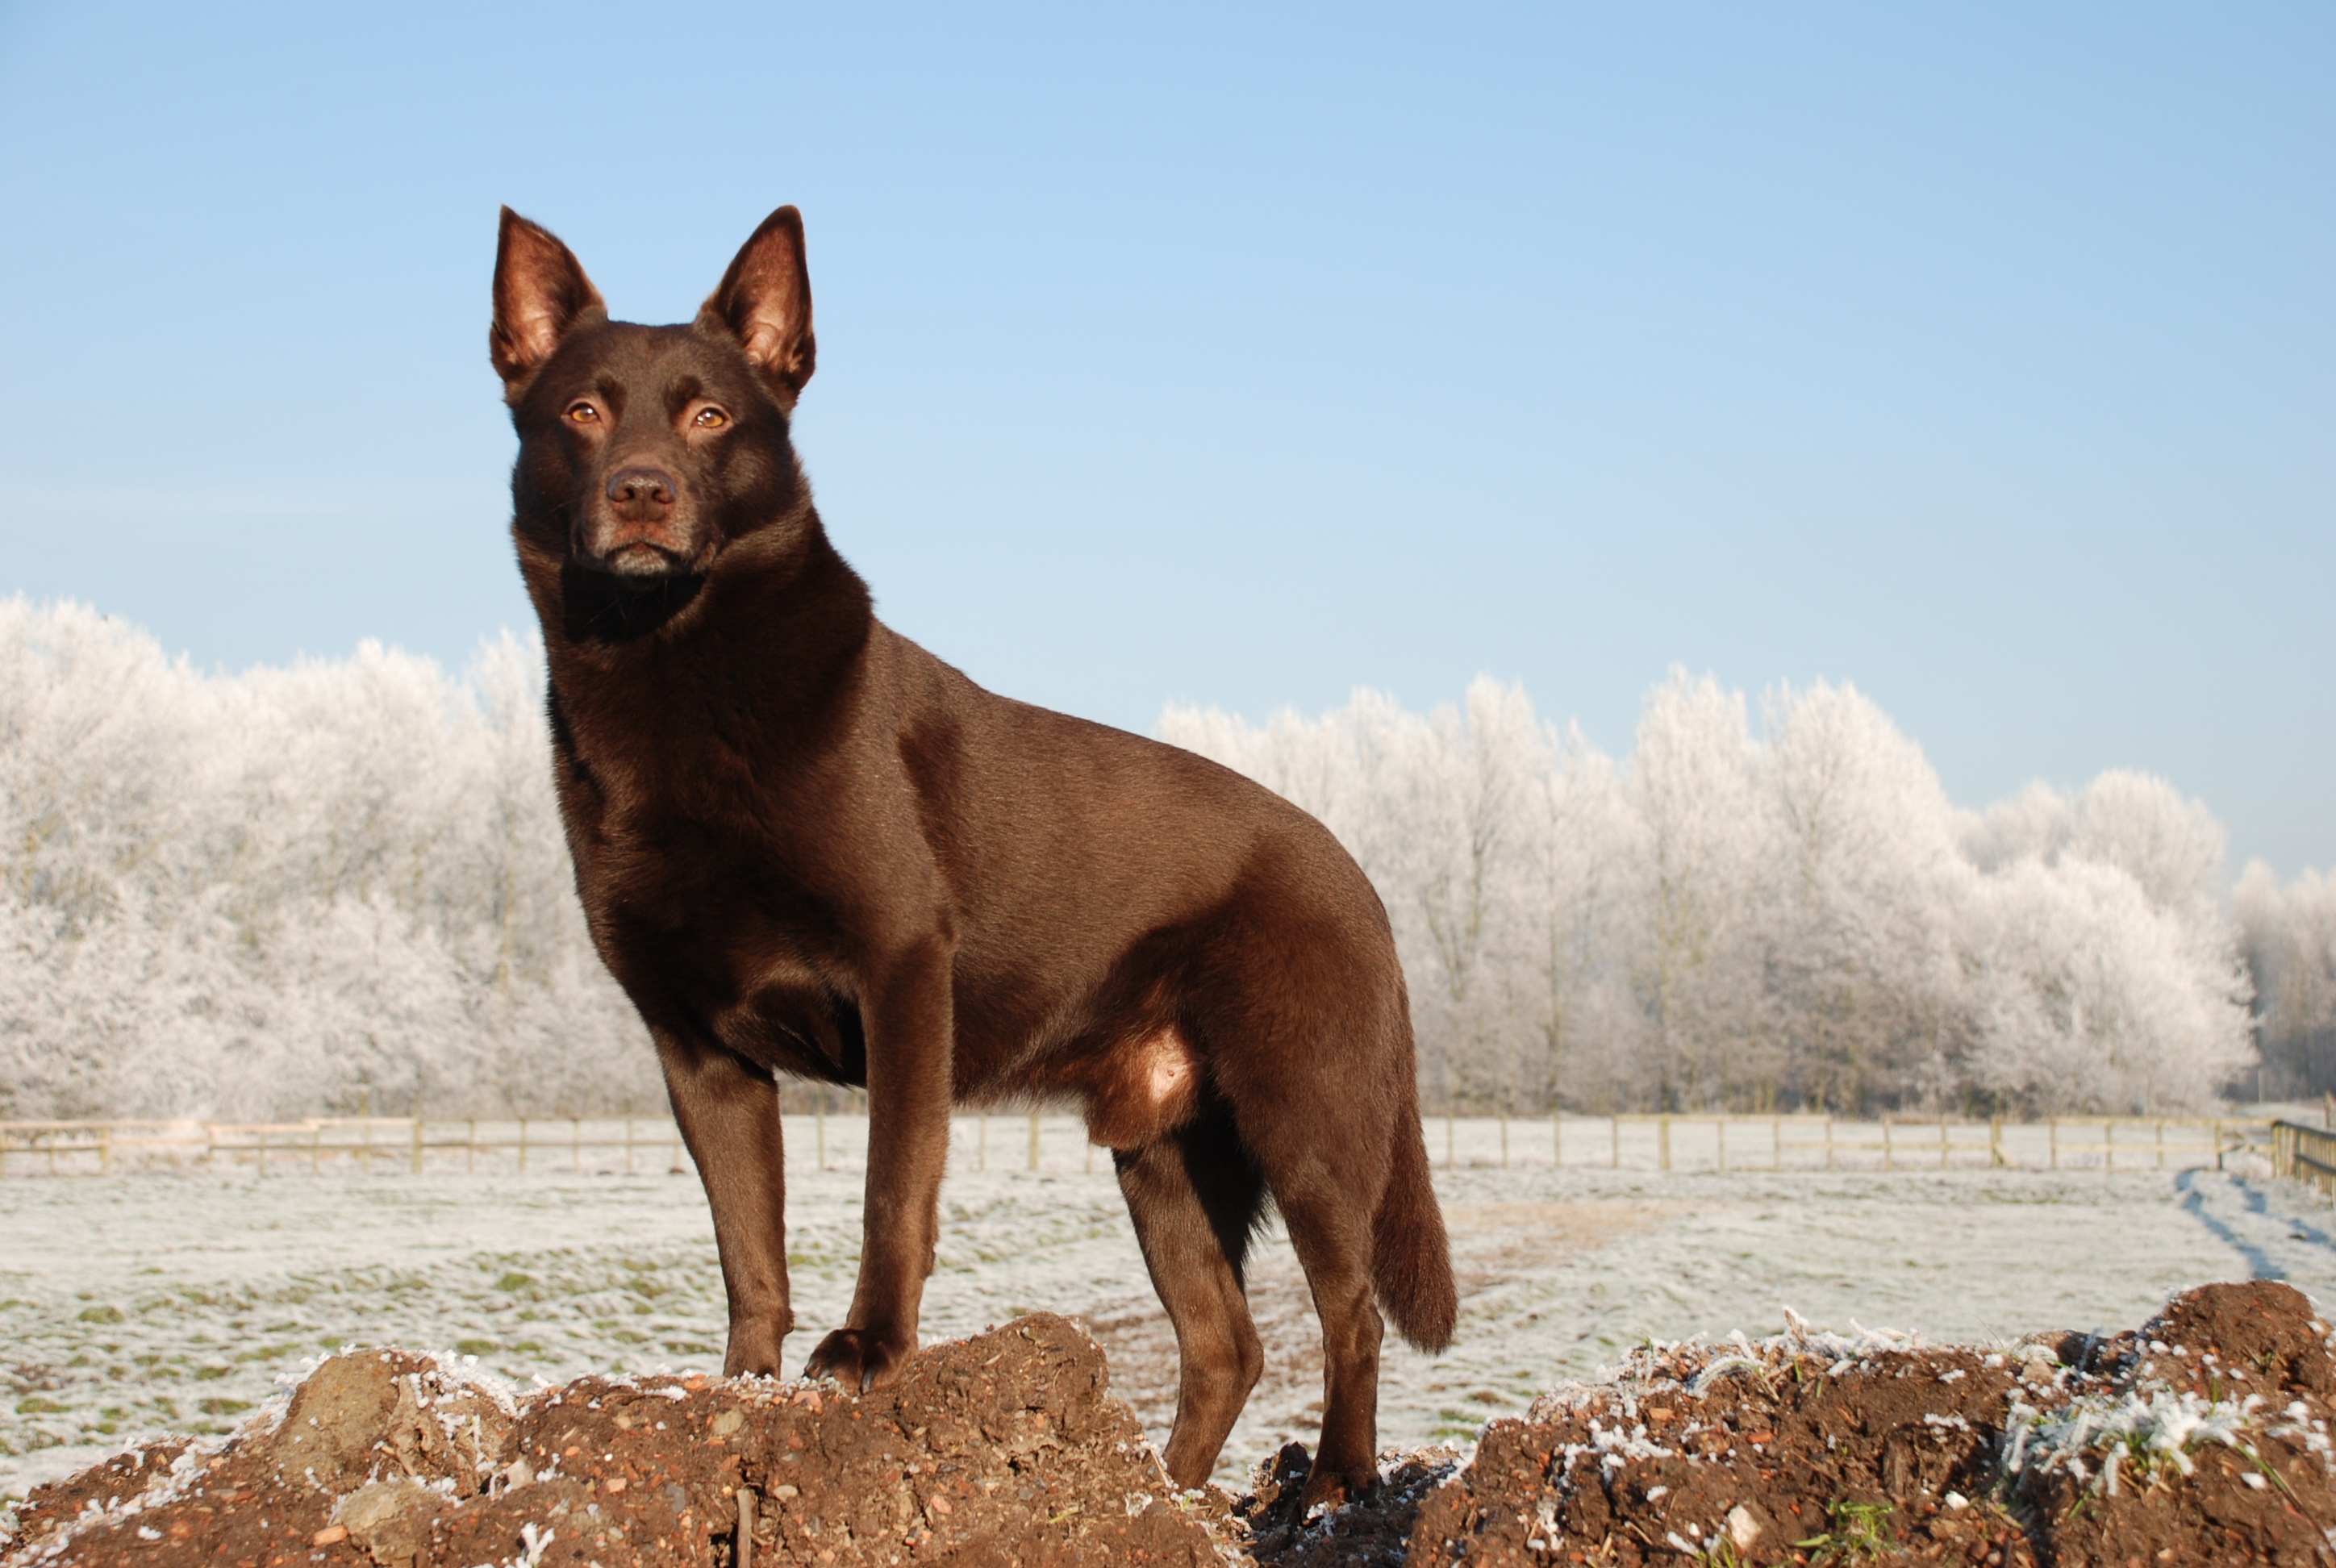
(693,898)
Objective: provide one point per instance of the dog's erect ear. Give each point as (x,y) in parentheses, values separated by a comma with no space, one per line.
(541,292)
(764,302)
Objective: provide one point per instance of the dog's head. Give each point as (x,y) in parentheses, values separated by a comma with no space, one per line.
(646,452)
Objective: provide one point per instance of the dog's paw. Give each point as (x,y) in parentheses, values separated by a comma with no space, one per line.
(1329,1487)
(861,1358)
(754,1350)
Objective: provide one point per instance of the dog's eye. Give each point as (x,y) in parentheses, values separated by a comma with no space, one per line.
(583,414)
(710,419)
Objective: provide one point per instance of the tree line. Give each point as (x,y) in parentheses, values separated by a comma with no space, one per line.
(1795,918)
(343,886)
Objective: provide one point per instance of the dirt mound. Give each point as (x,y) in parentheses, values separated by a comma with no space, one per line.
(1000,1449)
(2202,1437)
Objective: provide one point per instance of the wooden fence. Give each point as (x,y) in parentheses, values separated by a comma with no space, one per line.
(2304,1154)
(1781,1143)
(342,1142)
(1057,1143)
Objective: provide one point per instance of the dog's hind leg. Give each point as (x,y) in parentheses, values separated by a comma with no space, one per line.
(1194,1195)
(1331,1234)
(1309,1047)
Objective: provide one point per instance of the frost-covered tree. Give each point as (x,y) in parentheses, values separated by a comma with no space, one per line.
(1579,921)
(2100,964)
(331,887)
(2288,934)
(1865,853)
(1708,839)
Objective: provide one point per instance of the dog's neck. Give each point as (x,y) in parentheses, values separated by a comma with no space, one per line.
(776,631)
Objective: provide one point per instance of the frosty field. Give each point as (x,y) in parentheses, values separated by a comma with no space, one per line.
(132,1304)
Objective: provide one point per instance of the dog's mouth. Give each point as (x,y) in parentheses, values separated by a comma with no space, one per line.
(608,604)
(643,559)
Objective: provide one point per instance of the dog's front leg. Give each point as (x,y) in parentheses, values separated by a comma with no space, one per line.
(911,1036)
(729,1117)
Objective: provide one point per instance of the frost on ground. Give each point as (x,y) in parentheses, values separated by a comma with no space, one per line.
(140,1304)
(2202,1437)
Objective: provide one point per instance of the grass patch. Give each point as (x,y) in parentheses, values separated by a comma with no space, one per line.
(1861,1533)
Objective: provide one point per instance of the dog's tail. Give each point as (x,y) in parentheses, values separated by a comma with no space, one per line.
(1411,1259)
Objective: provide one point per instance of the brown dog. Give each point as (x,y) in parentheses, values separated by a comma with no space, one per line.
(807,846)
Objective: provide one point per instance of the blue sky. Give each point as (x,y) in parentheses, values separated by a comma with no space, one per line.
(1985,355)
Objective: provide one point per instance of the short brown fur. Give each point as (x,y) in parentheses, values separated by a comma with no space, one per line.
(806,846)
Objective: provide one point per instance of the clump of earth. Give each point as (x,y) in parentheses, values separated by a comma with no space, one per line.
(2201,1436)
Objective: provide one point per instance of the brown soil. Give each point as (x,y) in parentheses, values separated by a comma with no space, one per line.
(1007,1448)
(997,1450)
(1811,1448)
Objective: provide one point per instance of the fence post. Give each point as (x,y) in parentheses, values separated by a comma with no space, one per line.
(1776,1143)
(1943,1141)
(522,1145)
(1888,1160)
(2108,1147)
(1447,1140)
(1719,1132)
(2052,1144)
(1034,1140)
(2218,1143)
(315,1148)
(1614,1135)
(105,1148)
(1995,1141)
(263,1153)
(1504,1140)
(417,1145)
(2161,1143)
(1666,1141)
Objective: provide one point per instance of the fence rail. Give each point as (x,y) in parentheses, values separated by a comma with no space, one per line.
(1784,1142)
(361,1143)
(1058,1144)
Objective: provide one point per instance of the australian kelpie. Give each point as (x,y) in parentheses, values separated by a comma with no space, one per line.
(807,846)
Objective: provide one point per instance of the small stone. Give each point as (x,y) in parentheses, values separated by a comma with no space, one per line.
(390,1519)
(330,1536)
(1743,1529)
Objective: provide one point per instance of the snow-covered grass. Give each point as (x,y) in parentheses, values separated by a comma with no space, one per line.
(136,1303)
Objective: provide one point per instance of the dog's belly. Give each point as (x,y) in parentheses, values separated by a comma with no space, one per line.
(794,1028)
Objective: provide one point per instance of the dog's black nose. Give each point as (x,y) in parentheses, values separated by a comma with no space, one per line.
(641,494)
